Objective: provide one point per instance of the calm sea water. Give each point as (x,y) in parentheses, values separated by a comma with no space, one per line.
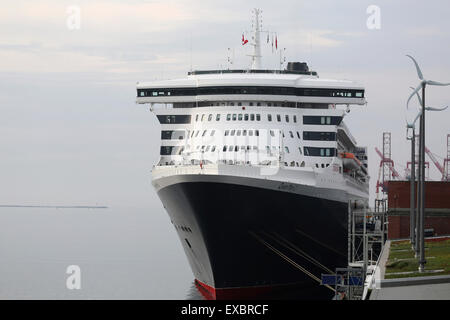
(123,253)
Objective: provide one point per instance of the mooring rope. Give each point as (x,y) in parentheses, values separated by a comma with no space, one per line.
(319,242)
(298,251)
(292,262)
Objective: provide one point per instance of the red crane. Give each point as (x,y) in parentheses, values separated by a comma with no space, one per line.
(436,163)
(394,172)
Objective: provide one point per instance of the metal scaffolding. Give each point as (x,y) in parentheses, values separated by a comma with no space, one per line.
(367,233)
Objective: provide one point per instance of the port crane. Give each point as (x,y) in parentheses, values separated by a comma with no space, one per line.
(443,169)
(394,173)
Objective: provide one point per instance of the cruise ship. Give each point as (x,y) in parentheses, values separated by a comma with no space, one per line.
(256,169)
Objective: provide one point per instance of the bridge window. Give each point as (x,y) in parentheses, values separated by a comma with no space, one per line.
(322,120)
(169,119)
(171,150)
(319,136)
(172,134)
(319,152)
(260,90)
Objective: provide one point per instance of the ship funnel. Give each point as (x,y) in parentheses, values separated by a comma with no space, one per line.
(297,66)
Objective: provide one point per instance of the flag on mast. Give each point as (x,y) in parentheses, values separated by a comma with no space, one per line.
(276,42)
(272,42)
(244,41)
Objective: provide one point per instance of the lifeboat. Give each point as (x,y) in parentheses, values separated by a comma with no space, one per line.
(350,161)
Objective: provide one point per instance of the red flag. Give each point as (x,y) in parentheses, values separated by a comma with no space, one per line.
(244,41)
(276,42)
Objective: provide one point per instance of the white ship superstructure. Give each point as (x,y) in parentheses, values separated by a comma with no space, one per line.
(288,120)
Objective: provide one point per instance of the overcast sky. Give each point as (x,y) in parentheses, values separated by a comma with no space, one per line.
(71,133)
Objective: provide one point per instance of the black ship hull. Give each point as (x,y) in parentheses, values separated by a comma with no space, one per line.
(243,241)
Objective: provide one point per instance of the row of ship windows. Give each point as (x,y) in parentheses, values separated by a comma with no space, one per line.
(183,228)
(249,103)
(307,135)
(257,90)
(245,117)
(307,151)
(181,119)
(291,164)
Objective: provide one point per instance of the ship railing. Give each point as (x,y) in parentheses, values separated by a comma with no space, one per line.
(306,175)
(159,106)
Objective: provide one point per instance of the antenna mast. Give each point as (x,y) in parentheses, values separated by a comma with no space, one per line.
(256,56)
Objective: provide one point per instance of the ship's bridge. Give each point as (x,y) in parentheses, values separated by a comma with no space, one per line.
(291,87)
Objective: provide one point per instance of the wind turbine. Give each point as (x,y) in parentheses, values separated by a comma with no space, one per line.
(413,217)
(421,191)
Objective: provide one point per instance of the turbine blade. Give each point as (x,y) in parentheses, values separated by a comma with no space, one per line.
(418,97)
(417,117)
(435,83)
(413,123)
(412,94)
(436,109)
(419,73)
